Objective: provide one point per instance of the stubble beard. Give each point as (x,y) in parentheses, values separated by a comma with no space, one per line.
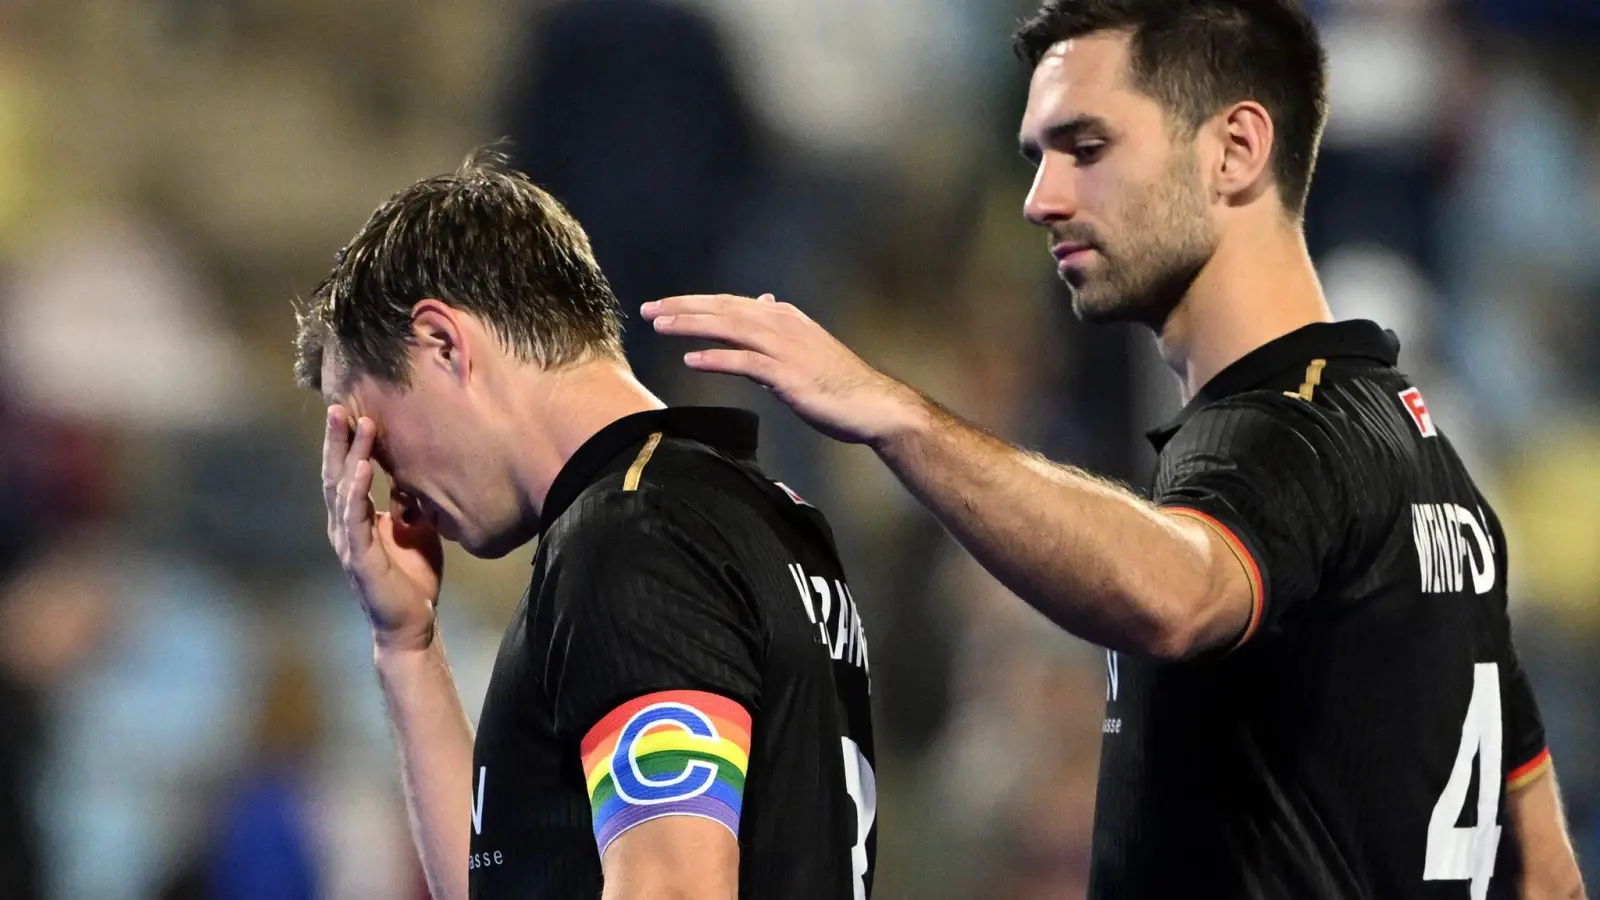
(1167,238)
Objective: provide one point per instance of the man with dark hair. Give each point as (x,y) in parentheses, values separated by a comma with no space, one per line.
(680,704)
(1312,690)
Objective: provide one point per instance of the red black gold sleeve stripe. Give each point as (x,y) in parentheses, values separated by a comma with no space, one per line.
(1246,560)
(1525,774)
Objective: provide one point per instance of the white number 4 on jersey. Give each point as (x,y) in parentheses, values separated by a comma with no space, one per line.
(1467,854)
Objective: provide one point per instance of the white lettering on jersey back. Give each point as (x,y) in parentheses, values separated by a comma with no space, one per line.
(838,623)
(1452,542)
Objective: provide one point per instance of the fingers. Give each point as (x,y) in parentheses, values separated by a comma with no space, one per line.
(406,526)
(347,482)
(361,445)
(738,331)
(713,304)
(755,366)
(335,447)
(357,514)
(403,507)
(687,303)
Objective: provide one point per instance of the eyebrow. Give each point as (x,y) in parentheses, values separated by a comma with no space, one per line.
(1060,132)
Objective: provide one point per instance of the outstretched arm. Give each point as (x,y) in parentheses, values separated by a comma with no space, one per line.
(1099,561)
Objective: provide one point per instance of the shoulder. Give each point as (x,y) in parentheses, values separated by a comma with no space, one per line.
(1265,423)
(614,521)
(679,497)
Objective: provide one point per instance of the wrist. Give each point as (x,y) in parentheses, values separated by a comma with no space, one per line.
(405,642)
(906,416)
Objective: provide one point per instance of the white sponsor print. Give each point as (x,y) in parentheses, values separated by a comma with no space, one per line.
(1112,724)
(487,858)
(477,800)
(1111,676)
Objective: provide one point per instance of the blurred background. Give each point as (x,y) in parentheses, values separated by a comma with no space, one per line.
(186,703)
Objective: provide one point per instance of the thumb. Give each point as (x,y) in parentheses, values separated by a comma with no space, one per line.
(414,532)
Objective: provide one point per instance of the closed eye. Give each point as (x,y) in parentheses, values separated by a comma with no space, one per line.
(1089,152)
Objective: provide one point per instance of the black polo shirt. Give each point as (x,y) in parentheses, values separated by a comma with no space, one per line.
(688,646)
(1359,739)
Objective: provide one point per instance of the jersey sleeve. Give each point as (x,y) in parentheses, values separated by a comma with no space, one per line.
(653,666)
(1526,755)
(1267,474)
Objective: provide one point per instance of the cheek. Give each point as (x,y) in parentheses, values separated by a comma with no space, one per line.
(1113,194)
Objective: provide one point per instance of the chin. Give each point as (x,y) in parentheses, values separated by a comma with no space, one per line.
(498,544)
(1093,307)
(1100,304)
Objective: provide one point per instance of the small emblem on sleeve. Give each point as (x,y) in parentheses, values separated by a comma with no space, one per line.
(675,753)
(1418,408)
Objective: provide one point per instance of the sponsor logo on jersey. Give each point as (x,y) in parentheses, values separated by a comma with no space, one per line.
(1112,682)
(664,754)
(1418,408)
(477,800)
(1453,545)
(832,608)
(487,858)
(792,495)
(1112,724)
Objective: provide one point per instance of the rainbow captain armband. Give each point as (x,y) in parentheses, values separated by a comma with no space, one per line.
(675,753)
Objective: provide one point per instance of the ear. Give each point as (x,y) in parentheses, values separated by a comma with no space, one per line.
(440,339)
(1246,135)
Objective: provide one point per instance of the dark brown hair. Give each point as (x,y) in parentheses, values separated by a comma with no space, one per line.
(1196,57)
(484,239)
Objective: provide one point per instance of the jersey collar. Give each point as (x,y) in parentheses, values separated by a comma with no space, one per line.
(731,431)
(1320,340)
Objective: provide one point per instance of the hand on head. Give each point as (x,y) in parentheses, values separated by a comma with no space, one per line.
(393,558)
(780,347)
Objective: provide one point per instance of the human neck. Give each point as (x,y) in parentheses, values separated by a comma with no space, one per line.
(1256,288)
(555,413)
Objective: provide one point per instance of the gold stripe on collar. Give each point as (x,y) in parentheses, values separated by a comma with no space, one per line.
(631,483)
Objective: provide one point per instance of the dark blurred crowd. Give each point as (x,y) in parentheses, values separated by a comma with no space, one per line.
(186,706)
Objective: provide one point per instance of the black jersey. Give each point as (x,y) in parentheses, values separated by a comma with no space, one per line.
(688,646)
(1360,738)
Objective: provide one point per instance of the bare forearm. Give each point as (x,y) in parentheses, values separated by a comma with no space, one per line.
(435,743)
(673,858)
(1097,560)
(1549,866)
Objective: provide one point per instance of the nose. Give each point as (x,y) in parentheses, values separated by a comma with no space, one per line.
(1053,197)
